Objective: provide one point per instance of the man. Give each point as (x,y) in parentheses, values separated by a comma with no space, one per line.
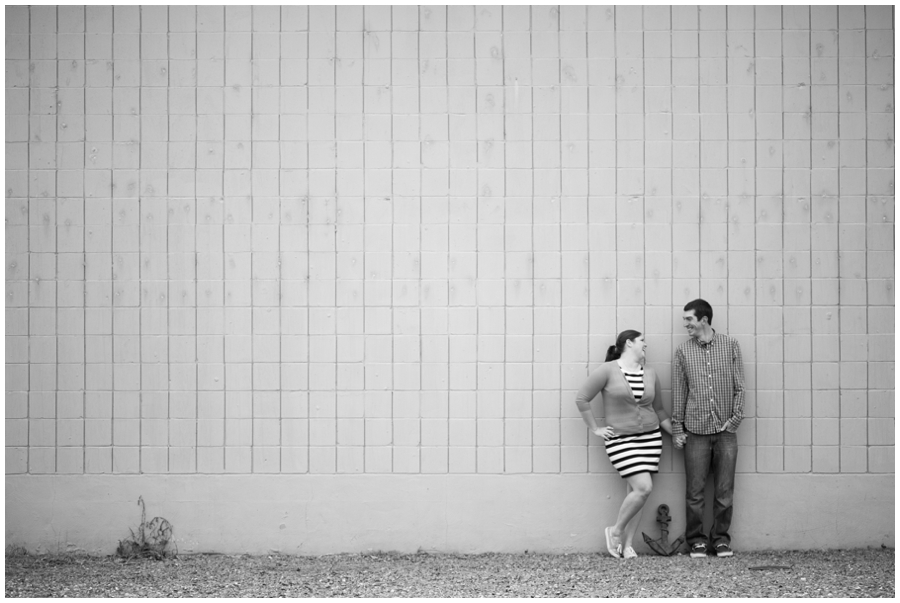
(707,408)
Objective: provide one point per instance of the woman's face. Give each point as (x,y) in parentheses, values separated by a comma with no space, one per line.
(639,347)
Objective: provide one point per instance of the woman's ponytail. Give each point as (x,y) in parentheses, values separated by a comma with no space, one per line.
(614,352)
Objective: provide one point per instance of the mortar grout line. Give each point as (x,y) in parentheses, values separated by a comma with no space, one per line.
(419,233)
(279,258)
(365,138)
(84,423)
(225,205)
(196,253)
(112,365)
(252,468)
(56,446)
(27,276)
(393,242)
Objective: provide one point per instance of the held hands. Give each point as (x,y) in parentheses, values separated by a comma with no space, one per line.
(679,441)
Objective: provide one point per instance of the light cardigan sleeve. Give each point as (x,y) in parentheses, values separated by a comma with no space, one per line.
(596,381)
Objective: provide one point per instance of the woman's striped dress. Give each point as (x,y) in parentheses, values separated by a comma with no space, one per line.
(635,453)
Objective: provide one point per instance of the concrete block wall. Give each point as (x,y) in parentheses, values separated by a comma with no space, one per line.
(394,240)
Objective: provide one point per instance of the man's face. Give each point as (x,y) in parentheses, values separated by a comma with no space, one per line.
(691,324)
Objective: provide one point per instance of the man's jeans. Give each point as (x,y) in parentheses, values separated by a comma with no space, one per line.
(702,453)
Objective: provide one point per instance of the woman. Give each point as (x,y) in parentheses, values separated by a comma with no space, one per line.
(631,396)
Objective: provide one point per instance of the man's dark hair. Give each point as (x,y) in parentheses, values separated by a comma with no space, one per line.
(701,308)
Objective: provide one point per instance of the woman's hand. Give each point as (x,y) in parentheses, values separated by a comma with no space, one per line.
(604,432)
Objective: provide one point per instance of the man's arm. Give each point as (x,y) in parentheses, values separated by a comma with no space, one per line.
(679,394)
(737,368)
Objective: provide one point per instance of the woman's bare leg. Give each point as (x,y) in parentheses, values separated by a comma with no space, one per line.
(639,488)
(631,526)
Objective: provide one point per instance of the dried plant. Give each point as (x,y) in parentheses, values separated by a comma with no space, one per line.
(15,550)
(151,539)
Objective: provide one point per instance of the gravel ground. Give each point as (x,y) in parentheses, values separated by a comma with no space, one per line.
(854,573)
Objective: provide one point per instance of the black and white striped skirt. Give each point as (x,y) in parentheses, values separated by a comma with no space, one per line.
(635,453)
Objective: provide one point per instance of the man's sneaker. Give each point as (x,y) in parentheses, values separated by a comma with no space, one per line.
(698,550)
(723,550)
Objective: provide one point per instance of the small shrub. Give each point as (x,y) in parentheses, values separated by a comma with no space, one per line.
(151,539)
(15,550)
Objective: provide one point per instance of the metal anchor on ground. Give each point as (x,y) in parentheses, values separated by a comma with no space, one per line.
(661,546)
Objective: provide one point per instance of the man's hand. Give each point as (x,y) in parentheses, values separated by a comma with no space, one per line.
(679,441)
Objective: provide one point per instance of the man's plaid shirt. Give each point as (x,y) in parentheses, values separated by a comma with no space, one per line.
(707,386)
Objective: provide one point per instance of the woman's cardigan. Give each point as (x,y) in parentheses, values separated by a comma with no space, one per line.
(623,413)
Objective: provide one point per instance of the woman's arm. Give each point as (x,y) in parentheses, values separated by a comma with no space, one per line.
(589,390)
(661,413)
(588,416)
(665,422)
(666,425)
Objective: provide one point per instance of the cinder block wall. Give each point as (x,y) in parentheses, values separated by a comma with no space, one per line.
(394,240)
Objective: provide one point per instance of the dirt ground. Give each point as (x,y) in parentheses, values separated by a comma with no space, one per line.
(851,573)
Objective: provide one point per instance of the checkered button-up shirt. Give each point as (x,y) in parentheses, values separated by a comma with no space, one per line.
(707,386)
